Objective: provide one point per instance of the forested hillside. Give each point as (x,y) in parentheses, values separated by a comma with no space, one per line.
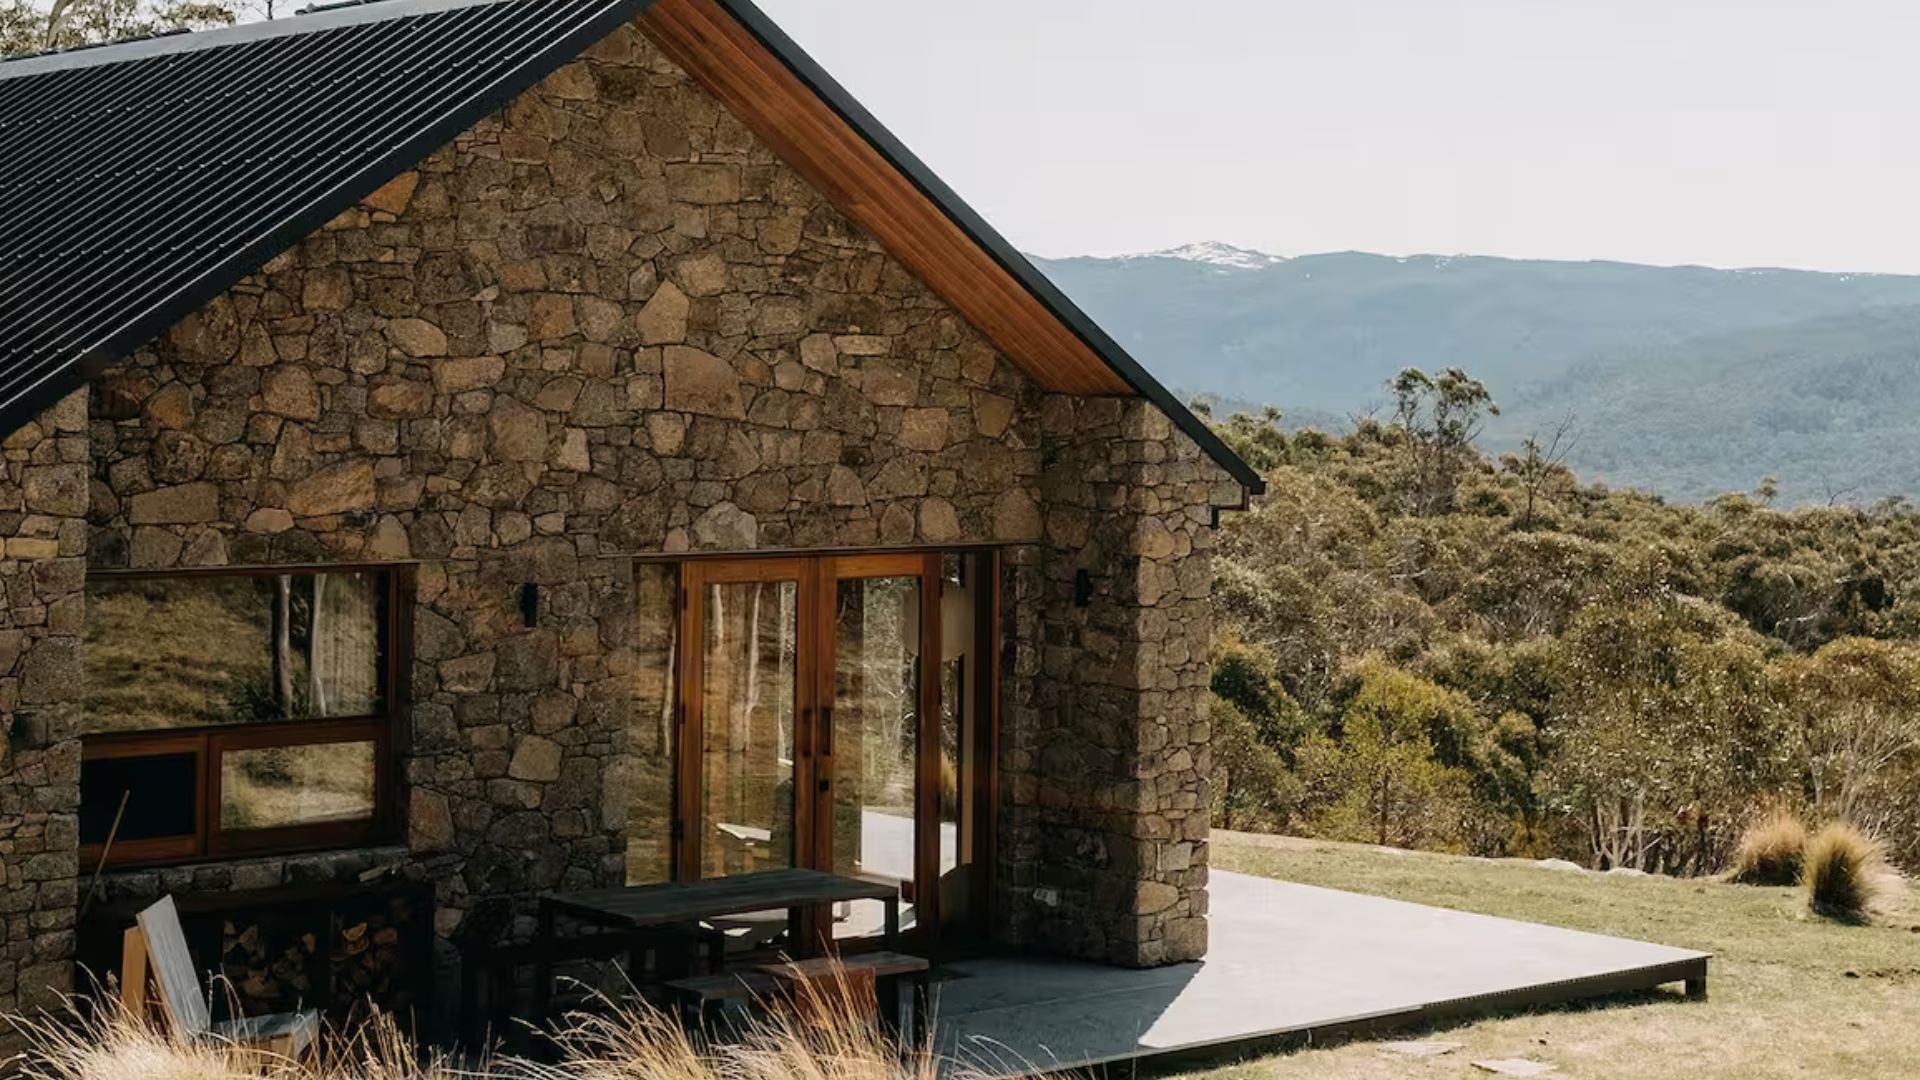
(1830,407)
(1687,381)
(1423,646)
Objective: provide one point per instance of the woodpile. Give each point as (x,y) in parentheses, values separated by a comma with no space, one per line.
(336,958)
(268,963)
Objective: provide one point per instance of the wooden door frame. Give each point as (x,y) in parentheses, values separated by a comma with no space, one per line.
(818,576)
(689,823)
(924,567)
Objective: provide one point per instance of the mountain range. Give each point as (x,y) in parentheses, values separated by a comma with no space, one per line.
(1686,381)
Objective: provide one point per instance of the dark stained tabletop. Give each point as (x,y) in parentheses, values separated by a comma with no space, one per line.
(687,901)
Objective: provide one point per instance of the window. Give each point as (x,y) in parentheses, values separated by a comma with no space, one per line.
(236,712)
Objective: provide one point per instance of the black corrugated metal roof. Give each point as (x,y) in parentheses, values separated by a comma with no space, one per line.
(139,181)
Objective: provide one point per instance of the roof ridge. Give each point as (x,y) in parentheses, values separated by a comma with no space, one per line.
(310,19)
(61,50)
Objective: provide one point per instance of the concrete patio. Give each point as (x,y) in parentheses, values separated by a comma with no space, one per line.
(1286,960)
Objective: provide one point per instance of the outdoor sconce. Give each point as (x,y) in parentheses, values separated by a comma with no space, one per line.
(24,733)
(1082,587)
(530,604)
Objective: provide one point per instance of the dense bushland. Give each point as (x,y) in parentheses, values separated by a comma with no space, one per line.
(1423,646)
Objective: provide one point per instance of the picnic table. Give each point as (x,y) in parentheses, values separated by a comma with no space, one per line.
(639,908)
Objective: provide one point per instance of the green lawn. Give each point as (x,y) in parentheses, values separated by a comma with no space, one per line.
(1790,995)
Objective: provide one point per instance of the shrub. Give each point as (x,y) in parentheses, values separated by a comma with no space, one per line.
(1841,874)
(1771,851)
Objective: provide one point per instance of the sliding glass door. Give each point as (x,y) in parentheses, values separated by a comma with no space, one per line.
(828,711)
(745,757)
(878,684)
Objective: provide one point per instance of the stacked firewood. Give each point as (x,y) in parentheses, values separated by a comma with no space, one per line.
(369,964)
(268,963)
(341,960)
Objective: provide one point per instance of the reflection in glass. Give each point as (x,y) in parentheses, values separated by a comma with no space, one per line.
(279,786)
(650,740)
(333,640)
(750,654)
(178,652)
(876,721)
(204,650)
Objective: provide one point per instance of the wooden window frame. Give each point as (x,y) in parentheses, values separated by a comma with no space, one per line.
(387,730)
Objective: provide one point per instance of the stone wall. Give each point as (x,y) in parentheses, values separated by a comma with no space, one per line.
(609,321)
(605,322)
(43,497)
(1105,754)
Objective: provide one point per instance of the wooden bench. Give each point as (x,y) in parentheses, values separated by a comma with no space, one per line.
(762,981)
(488,970)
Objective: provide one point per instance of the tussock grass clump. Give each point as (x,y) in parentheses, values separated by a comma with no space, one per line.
(827,1033)
(105,1042)
(1843,867)
(1771,852)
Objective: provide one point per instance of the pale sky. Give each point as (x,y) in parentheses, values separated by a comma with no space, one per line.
(1721,132)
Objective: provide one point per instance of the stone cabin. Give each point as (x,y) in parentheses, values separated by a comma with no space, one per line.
(535,444)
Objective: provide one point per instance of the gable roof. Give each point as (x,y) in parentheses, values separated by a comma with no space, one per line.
(138,181)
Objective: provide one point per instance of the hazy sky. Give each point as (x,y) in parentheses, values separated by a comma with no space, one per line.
(1723,132)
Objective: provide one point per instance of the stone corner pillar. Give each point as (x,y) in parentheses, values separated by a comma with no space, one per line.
(1106,748)
(43,543)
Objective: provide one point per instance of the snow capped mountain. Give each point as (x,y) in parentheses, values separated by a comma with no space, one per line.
(1214,253)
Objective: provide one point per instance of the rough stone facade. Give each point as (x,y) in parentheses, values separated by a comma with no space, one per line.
(609,321)
(1105,747)
(43,499)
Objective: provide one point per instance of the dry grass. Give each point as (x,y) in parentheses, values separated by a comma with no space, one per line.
(111,1044)
(1843,873)
(1791,995)
(826,1036)
(1771,851)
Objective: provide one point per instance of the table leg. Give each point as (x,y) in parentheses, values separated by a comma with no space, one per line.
(886,992)
(921,1004)
(543,965)
(637,947)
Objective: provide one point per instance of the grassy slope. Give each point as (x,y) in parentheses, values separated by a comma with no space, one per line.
(1790,996)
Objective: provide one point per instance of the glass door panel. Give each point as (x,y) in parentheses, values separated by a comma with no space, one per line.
(876,722)
(748,701)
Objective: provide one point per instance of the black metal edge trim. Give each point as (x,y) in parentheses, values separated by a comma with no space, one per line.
(121,343)
(988,239)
